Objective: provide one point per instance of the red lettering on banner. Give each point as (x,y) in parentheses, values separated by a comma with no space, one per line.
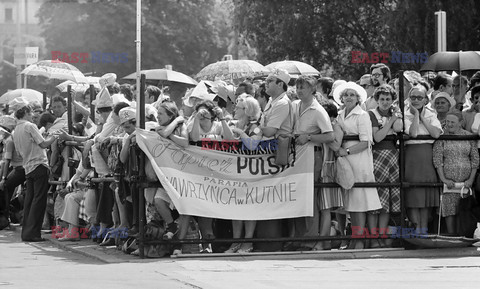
(374,57)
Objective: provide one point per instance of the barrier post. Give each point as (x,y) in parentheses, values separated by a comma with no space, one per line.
(141,178)
(92,107)
(71,170)
(401,150)
(44,104)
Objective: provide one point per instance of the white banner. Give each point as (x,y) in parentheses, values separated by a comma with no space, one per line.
(233,186)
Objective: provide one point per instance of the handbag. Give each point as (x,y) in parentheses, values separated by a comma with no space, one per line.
(457,189)
(344,173)
(284,148)
(286,143)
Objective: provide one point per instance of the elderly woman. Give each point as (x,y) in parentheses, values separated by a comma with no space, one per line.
(385,122)
(355,121)
(312,125)
(456,162)
(443,103)
(419,158)
(247,112)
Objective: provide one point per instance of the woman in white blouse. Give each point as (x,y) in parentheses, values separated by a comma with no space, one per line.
(355,121)
(419,157)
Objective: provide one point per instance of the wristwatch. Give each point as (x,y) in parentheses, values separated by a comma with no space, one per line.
(348,151)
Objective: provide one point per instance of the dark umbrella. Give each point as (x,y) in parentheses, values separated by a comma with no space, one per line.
(453,60)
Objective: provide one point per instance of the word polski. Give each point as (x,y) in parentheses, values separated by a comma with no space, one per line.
(385,57)
(83,57)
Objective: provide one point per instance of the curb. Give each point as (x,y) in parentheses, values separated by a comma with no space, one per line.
(108,255)
(93,251)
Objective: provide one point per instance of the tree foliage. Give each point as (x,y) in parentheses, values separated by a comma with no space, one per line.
(325,32)
(182,33)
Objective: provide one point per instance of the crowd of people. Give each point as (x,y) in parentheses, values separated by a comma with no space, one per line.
(318,110)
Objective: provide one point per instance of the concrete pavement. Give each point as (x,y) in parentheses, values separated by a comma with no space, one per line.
(44,265)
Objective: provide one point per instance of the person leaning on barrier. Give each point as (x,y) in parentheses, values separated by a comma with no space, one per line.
(31,146)
(277,115)
(171,126)
(456,162)
(312,125)
(247,112)
(419,158)
(355,121)
(386,121)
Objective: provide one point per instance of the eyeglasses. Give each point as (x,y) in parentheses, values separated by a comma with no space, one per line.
(416,97)
(377,75)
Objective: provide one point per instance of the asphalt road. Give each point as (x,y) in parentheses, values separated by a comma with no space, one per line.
(45,265)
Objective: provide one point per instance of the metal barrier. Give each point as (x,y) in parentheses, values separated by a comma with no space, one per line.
(142,184)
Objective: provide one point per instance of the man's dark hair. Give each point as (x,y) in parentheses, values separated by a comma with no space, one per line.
(19,114)
(385,70)
(126,90)
(60,99)
(114,88)
(104,109)
(45,118)
(119,106)
(441,79)
(155,91)
(326,84)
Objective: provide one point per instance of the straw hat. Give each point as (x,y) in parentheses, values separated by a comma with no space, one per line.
(349,85)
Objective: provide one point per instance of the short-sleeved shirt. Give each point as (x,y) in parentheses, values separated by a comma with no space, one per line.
(313,120)
(277,115)
(432,119)
(357,122)
(27,138)
(12,154)
(379,119)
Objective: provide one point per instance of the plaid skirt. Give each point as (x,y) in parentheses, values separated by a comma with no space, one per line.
(386,170)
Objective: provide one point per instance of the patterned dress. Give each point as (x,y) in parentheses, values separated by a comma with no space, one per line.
(458,158)
(385,164)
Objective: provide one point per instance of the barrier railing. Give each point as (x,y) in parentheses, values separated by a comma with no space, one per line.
(402,184)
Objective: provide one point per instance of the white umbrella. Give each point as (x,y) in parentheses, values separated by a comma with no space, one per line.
(55,69)
(29,94)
